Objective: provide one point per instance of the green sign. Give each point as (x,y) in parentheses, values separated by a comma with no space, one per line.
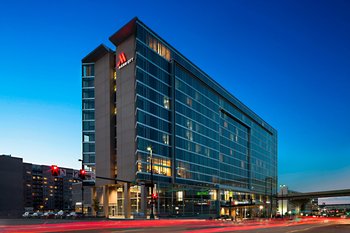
(202,193)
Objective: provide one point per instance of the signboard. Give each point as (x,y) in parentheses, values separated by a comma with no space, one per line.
(202,193)
(90,179)
(75,174)
(63,172)
(123,61)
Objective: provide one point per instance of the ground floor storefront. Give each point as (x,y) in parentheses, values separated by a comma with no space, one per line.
(125,200)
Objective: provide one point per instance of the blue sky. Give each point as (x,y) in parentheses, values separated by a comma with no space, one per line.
(289,61)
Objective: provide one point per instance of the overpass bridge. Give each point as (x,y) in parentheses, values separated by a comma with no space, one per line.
(310,195)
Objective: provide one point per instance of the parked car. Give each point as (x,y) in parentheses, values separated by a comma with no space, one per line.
(49,215)
(37,215)
(60,214)
(27,214)
(74,215)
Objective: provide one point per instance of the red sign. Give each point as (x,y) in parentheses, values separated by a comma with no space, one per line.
(122,61)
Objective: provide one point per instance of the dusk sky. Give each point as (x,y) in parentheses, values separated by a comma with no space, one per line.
(288,61)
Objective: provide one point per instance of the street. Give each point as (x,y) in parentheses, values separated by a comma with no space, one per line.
(308,225)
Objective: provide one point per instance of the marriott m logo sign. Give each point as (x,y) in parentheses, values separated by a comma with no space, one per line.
(123,61)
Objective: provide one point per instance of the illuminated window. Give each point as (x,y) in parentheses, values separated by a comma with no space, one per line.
(160,166)
(114,75)
(166,139)
(198,148)
(189,124)
(159,48)
(231,136)
(115,88)
(115,111)
(189,135)
(179,195)
(166,102)
(189,101)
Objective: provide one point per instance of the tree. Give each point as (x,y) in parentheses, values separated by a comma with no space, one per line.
(96,205)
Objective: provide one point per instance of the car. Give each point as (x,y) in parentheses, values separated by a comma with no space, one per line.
(60,214)
(49,215)
(37,215)
(74,215)
(27,214)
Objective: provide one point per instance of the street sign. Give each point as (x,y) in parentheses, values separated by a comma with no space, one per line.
(75,174)
(63,172)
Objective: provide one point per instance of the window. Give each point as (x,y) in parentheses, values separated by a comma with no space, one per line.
(88,70)
(159,47)
(88,93)
(88,137)
(88,104)
(189,124)
(88,82)
(89,125)
(88,115)
(166,139)
(179,195)
(189,101)
(166,102)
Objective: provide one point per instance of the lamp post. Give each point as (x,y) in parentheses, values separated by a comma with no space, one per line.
(281,187)
(82,189)
(261,207)
(149,148)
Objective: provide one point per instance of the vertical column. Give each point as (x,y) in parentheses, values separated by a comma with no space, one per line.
(173,121)
(143,200)
(218,202)
(127,201)
(105,200)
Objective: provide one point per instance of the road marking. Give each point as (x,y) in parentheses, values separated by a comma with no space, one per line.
(305,229)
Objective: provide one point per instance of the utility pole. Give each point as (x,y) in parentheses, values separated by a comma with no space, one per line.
(281,187)
(82,188)
(149,148)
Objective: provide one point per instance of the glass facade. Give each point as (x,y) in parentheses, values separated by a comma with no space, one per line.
(88,113)
(218,142)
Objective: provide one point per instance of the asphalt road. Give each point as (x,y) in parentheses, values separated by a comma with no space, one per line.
(176,225)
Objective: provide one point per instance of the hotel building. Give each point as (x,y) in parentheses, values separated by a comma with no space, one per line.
(148,108)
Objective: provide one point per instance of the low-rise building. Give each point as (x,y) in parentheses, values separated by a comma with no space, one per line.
(27,186)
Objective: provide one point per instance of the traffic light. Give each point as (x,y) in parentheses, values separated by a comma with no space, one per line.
(154,196)
(55,171)
(82,174)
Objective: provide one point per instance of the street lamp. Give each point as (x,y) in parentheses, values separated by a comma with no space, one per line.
(82,189)
(281,187)
(261,207)
(149,148)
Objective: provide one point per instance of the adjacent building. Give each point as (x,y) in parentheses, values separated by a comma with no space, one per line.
(31,187)
(151,116)
(11,198)
(44,192)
